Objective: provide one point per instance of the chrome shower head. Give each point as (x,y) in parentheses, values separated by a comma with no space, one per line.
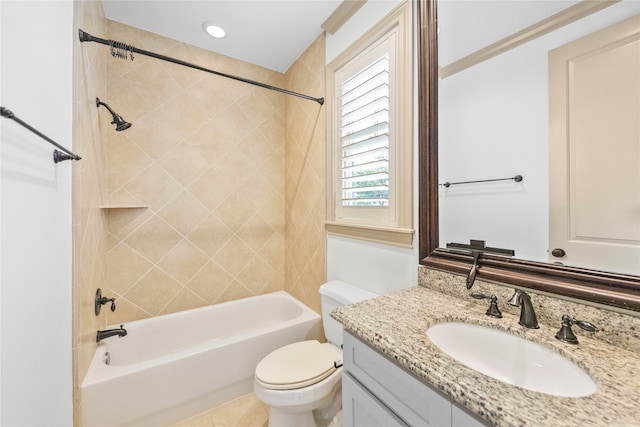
(121,124)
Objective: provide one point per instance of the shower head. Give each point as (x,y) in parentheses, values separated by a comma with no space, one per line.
(121,124)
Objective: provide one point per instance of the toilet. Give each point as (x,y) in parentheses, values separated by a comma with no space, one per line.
(302,382)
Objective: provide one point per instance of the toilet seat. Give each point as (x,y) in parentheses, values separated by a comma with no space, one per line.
(298,365)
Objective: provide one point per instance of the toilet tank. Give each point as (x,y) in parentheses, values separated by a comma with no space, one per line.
(334,294)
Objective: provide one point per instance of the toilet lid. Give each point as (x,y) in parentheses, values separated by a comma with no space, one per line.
(297,365)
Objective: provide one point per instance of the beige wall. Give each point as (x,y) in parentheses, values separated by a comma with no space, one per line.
(88,190)
(215,193)
(305,261)
(205,155)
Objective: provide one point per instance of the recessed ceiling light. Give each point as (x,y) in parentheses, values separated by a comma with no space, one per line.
(213,30)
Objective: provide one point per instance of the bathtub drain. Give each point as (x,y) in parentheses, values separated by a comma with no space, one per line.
(106,358)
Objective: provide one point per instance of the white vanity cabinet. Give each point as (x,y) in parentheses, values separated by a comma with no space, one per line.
(378,392)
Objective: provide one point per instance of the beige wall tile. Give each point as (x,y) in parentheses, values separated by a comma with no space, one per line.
(211,188)
(234,256)
(234,211)
(153,135)
(153,83)
(126,311)
(305,258)
(125,160)
(123,222)
(125,267)
(256,274)
(153,186)
(184,212)
(210,282)
(184,163)
(124,97)
(256,232)
(184,300)
(183,261)
(210,235)
(154,239)
(209,141)
(273,252)
(154,291)
(90,237)
(207,155)
(234,291)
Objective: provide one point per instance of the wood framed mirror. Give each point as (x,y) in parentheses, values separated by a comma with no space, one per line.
(600,287)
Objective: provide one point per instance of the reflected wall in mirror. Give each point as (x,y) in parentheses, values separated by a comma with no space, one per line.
(496,117)
(485,114)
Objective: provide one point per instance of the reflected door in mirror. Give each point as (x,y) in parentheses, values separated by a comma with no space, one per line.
(594,127)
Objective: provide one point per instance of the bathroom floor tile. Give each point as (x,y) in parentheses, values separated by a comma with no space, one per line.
(245,411)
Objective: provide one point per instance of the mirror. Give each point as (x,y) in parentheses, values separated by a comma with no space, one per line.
(494,122)
(458,115)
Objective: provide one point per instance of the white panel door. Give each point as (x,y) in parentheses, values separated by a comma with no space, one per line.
(594,113)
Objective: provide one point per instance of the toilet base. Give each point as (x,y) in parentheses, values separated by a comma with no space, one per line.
(313,413)
(284,418)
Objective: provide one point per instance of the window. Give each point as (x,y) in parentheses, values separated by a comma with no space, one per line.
(364,117)
(369,173)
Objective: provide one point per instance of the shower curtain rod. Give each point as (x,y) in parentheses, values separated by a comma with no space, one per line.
(120,50)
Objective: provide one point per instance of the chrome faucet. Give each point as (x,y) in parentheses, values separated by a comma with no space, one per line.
(121,332)
(528,317)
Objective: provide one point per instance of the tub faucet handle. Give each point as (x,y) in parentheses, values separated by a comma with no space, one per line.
(100,301)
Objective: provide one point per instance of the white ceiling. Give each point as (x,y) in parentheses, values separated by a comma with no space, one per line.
(269,33)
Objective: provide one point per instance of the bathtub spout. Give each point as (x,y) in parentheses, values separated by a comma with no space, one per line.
(110,332)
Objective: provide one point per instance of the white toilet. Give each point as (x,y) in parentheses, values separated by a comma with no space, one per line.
(302,382)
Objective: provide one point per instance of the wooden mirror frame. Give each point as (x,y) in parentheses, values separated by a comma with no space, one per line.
(602,288)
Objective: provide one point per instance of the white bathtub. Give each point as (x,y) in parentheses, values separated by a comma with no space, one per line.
(171,367)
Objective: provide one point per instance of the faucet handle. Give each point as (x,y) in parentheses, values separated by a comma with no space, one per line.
(100,301)
(585,325)
(565,334)
(493,310)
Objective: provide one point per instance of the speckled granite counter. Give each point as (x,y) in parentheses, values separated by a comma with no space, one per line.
(396,325)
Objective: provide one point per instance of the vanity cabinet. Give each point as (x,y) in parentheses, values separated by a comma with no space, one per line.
(378,392)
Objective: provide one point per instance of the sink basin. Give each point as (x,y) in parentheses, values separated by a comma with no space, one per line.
(512,359)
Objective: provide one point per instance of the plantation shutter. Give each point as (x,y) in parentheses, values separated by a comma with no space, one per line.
(364,118)
(370,135)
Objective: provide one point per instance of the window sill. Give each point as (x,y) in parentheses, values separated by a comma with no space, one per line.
(402,237)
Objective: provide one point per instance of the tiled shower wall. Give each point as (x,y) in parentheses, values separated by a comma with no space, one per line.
(88,189)
(196,205)
(305,268)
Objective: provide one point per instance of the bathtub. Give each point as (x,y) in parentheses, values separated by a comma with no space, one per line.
(171,367)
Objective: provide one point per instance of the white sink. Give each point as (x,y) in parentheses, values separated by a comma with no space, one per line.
(512,359)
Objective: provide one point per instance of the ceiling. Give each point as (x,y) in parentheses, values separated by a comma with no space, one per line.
(269,33)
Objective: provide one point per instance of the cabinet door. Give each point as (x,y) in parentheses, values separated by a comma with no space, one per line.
(460,418)
(409,398)
(360,408)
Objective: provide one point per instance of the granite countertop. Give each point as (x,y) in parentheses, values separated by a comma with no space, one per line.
(396,325)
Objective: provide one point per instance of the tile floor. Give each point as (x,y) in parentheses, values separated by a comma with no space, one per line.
(245,411)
